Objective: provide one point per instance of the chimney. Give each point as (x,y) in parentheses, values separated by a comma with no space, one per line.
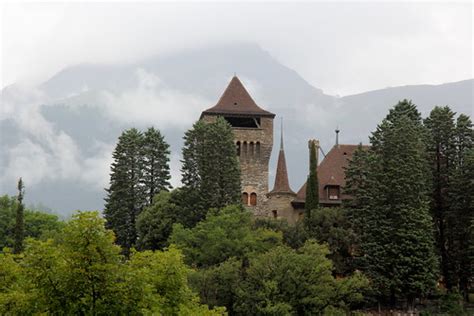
(337,136)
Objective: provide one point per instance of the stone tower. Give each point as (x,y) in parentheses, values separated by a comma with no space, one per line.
(253,135)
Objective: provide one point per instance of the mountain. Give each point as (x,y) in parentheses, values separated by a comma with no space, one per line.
(59,136)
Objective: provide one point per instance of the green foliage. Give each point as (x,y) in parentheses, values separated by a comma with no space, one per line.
(155,223)
(139,171)
(217,285)
(331,226)
(82,272)
(312,186)
(8,206)
(36,224)
(441,151)
(156,171)
(19,219)
(391,207)
(294,236)
(210,170)
(284,281)
(222,235)
(125,196)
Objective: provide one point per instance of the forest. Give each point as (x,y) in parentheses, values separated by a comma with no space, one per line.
(403,242)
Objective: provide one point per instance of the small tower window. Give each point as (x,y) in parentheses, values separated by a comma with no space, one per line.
(245,198)
(238,148)
(253,199)
(275,213)
(333,192)
(257,149)
(251,149)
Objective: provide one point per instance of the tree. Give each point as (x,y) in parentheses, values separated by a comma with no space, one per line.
(155,223)
(333,227)
(82,272)
(126,195)
(312,186)
(36,224)
(210,170)
(217,285)
(222,235)
(397,239)
(284,281)
(20,221)
(156,171)
(463,202)
(441,149)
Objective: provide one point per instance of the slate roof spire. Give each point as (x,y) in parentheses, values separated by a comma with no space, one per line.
(282,184)
(236,101)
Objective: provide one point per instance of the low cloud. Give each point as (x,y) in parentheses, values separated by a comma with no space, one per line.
(151,102)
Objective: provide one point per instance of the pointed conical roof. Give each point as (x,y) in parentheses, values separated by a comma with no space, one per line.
(282,184)
(237,101)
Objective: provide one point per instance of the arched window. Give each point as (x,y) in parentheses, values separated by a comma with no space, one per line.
(275,213)
(251,149)
(244,149)
(245,198)
(253,198)
(257,149)
(238,148)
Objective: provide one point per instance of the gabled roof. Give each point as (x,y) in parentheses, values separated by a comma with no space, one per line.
(282,184)
(236,101)
(331,171)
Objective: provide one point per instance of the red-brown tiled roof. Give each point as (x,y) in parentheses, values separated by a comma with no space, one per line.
(282,184)
(331,171)
(236,101)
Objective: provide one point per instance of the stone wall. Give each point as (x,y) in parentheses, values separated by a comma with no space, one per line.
(255,149)
(279,204)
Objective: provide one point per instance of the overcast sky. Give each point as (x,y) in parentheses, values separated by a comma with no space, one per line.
(341,47)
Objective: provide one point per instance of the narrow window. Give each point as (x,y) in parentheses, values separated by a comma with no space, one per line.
(257,149)
(238,148)
(275,213)
(251,149)
(333,192)
(245,198)
(253,199)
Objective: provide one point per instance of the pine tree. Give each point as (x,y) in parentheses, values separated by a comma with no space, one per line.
(19,222)
(210,170)
(441,149)
(312,186)
(156,170)
(126,195)
(397,240)
(462,203)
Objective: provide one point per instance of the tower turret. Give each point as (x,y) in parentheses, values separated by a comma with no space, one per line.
(253,135)
(280,198)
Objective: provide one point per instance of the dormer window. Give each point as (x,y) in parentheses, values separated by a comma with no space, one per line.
(333,192)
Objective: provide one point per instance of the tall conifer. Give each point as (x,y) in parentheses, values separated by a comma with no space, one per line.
(312,187)
(19,221)
(441,150)
(210,170)
(397,240)
(462,199)
(126,196)
(156,170)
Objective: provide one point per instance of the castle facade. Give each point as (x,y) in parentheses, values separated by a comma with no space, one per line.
(253,136)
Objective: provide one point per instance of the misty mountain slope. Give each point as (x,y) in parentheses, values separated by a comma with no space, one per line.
(372,106)
(60,135)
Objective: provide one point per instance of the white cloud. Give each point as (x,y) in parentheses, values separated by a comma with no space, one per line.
(340,47)
(151,102)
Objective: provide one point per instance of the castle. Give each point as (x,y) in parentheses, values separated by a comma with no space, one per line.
(253,136)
